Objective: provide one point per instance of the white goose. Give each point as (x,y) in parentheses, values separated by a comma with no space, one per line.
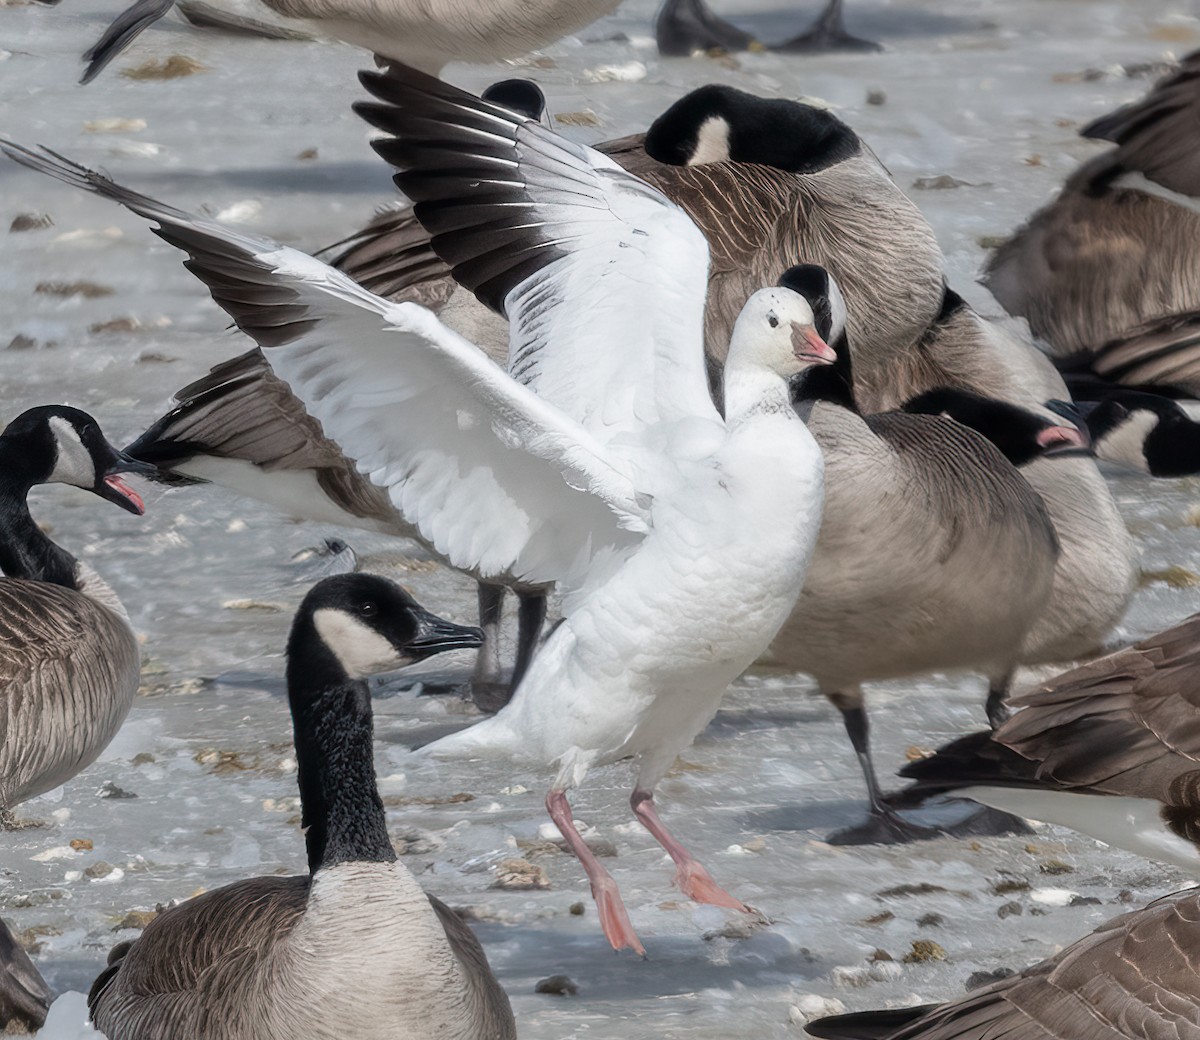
(680,537)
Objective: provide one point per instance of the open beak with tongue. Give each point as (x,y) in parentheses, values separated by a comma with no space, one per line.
(111,487)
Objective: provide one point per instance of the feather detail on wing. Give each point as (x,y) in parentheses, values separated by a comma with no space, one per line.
(496,479)
(602,278)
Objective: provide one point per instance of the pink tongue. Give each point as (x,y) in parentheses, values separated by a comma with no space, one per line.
(119,486)
(1055,435)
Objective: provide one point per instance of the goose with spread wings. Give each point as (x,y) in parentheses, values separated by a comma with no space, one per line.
(680,536)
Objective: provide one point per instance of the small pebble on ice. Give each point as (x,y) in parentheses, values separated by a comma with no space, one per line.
(809,1006)
(628,72)
(1053,896)
(240,212)
(114,126)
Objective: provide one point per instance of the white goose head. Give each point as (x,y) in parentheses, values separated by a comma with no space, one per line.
(777,331)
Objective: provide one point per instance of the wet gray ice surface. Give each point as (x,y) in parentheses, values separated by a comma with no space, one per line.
(970,92)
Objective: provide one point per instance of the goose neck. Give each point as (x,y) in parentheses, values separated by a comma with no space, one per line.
(25,549)
(751,390)
(333,730)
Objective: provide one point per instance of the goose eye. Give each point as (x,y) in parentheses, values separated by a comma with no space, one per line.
(368,609)
(772,321)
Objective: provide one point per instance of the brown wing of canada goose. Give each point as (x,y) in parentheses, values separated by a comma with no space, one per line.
(1125,724)
(69,669)
(1156,135)
(1160,353)
(1132,977)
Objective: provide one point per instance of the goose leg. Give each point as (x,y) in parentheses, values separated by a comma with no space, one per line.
(609,906)
(24,996)
(488,689)
(998,711)
(690,877)
(885,826)
(827,34)
(686,26)
(531,616)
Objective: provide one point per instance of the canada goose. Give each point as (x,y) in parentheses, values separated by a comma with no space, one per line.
(804,185)
(241,427)
(426,34)
(1117,247)
(934,552)
(679,536)
(1133,978)
(1108,748)
(354,948)
(1096,573)
(69,662)
(1144,432)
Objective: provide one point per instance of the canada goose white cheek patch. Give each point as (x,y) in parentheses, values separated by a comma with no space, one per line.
(73,464)
(359,649)
(712,142)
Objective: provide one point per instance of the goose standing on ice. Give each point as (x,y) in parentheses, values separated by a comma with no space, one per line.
(353,949)
(767,180)
(679,536)
(69,661)
(934,552)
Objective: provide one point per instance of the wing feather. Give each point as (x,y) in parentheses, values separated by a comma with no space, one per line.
(496,479)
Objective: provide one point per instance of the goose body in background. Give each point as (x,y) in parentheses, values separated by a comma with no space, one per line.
(1133,978)
(1109,748)
(1096,573)
(69,661)
(934,552)
(766,180)
(1117,248)
(679,536)
(354,949)
(428,34)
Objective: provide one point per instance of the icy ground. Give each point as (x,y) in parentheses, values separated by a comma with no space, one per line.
(988,93)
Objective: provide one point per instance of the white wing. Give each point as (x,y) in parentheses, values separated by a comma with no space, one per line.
(603,279)
(497,480)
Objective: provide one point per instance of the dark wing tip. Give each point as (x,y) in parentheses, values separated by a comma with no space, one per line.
(866,1025)
(122,31)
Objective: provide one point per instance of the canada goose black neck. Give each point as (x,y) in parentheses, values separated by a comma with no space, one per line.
(333,730)
(718,123)
(833,384)
(25,550)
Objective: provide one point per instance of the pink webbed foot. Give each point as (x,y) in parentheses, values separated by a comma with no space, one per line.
(697,884)
(613,917)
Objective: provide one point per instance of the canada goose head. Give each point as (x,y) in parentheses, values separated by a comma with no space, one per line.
(777,330)
(1145,432)
(719,123)
(1021,434)
(361,624)
(54,444)
(518,95)
(832,383)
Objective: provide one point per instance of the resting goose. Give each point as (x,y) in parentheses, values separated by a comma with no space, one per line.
(354,948)
(1109,748)
(934,552)
(804,185)
(1134,978)
(679,536)
(1145,432)
(1117,247)
(69,662)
